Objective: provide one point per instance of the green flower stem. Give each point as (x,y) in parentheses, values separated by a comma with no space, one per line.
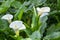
(34,17)
(17,35)
(9,21)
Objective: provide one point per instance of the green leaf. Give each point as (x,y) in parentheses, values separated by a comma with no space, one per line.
(20,12)
(53,28)
(16,4)
(34,18)
(29,8)
(2,36)
(43,19)
(36,35)
(37,2)
(52,36)
(28,31)
(58,4)
(43,27)
(3,25)
(4,7)
(43,24)
(27,3)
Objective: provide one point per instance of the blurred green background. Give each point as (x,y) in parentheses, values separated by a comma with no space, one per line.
(25,8)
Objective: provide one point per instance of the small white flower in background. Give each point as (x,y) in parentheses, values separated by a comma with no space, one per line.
(16,26)
(7,17)
(43,11)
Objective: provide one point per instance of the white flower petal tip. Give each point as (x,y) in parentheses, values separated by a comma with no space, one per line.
(43,9)
(38,9)
(17,25)
(7,17)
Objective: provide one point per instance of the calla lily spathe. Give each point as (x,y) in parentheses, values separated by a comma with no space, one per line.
(7,17)
(43,11)
(17,25)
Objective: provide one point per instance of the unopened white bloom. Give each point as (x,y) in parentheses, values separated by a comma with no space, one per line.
(43,11)
(17,25)
(8,17)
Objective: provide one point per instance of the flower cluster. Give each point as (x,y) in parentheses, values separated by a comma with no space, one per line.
(15,25)
(18,25)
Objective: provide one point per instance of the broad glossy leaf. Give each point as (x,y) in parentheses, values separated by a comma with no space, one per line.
(43,24)
(43,27)
(36,35)
(3,24)
(53,28)
(52,36)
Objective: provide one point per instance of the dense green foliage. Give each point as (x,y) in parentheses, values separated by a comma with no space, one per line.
(25,10)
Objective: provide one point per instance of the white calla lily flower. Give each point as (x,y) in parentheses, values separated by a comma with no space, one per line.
(43,11)
(7,17)
(17,25)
